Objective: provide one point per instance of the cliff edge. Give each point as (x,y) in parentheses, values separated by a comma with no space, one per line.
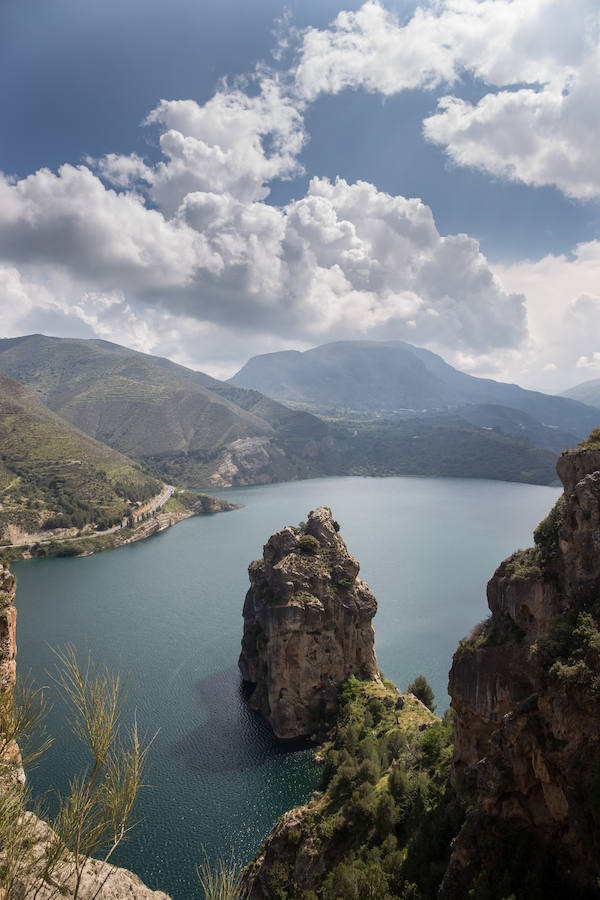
(525,689)
(307,626)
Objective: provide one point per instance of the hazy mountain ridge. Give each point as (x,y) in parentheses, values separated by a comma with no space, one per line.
(395,378)
(586,392)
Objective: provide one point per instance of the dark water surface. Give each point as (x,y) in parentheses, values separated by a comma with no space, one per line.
(168,612)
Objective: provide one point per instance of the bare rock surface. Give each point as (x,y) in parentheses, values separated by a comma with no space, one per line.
(8,621)
(307,626)
(99,879)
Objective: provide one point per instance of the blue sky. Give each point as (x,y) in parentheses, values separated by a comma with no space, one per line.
(278,205)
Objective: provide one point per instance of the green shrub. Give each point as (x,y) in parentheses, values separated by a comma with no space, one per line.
(309,545)
(399,782)
(421,688)
(344,584)
(570,653)
(547,532)
(592,442)
(368,771)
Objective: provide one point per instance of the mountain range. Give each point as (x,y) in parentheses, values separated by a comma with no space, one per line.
(393,378)
(383,409)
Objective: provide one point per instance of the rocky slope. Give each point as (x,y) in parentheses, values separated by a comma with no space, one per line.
(100,880)
(55,478)
(189,427)
(525,688)
(307,626)
(8,621)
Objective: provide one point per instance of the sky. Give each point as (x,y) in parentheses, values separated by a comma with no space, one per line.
(211,181)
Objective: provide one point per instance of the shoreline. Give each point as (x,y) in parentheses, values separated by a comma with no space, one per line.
(86,545)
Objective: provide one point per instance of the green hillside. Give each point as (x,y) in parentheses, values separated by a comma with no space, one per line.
(53,476)
(149,407)
(443,446)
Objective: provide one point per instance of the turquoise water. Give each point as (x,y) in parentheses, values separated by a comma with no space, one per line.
(168,612)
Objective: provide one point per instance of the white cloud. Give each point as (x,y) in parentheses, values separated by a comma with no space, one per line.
(501,42)
(539,137)
(71,220)
(343,261)
(588,362)
(368,263)
(547,133)
(235,144)
(122,171)
(563,311)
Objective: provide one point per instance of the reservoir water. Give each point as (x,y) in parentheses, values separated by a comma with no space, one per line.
(167,611)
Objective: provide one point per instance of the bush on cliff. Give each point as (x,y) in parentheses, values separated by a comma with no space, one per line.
(309,545)
(421,688)
(569,654)
(547,532)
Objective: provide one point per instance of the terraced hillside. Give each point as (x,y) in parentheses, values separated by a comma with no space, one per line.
(53,476)
(156,410)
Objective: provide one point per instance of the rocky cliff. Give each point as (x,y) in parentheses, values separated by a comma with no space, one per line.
(525,688)
(8,621)
(307,626)
(9,752)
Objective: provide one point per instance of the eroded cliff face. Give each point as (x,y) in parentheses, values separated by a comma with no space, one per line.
(10,760)
(8,621)
(525,688)
(307,626)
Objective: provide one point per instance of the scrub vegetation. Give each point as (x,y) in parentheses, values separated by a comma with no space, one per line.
(381,826)
(96,814)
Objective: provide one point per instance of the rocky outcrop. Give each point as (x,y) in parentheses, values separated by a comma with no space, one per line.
(525,688)
(99,880)
(262,460)
(307,626)
(8,621)
(10,757)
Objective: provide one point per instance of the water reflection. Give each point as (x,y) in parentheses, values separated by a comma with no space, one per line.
(232,737)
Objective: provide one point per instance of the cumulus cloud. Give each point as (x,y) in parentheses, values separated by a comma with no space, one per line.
(501,42)
(343,260)
(563,310)
(222,146)
(539,137)
(544,130)
(71,220)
